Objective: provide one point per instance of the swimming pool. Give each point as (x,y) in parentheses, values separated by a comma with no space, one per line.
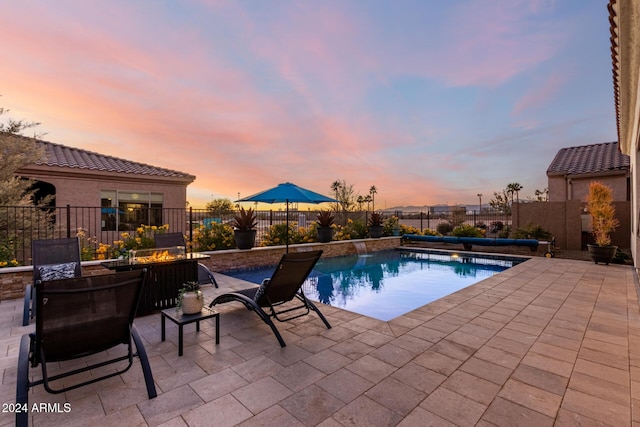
(387,284)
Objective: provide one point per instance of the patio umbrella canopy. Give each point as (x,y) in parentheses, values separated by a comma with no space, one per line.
(287,193)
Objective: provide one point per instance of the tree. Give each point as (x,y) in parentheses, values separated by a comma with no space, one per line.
(16,151)
(373,191)
(542,195)
(345,196)
(512,188)
(500,202)
(335,187)
(220,207)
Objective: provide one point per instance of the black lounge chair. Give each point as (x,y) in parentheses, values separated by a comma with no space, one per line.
(284,285)
(167,240)
(51,259)
(81,317)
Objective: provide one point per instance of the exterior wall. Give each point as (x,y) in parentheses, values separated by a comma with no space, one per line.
(82,188)
(563,188)
(557,186)
(85,190)
(569,224)
(13,281)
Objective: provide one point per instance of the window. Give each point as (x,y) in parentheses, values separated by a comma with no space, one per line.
(127,210)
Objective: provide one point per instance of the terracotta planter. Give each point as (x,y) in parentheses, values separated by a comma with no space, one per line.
(325,234)
(603,254)
(245,239)
(192,303)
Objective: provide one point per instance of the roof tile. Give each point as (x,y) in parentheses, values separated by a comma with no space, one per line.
(63,156)
(593,158)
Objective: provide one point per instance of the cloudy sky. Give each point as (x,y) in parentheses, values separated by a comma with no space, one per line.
(431,101)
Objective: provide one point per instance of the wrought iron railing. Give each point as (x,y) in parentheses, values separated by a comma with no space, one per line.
(19,225)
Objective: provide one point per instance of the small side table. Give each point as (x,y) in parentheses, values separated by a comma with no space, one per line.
(183,319)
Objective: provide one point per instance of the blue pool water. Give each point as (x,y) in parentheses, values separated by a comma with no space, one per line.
(387,284)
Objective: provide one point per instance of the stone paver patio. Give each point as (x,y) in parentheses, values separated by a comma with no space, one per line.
(548,342)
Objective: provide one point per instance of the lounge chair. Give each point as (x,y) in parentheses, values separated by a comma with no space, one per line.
(80,317)
(269,299)
(51,259)
(167,240)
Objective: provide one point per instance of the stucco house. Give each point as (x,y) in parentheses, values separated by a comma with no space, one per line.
(624,18)
(573,168)
(119,194)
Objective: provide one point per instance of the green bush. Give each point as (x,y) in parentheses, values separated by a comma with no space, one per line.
(466,230)
(444,228)
(531,231)
(277,234)
(213,237)
(7,258)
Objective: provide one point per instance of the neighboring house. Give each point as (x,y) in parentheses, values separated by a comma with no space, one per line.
(573,168)
(624,16)
(122,194)
(569,175)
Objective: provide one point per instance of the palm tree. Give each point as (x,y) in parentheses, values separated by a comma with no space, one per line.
(367,200)
(335,187)
(514,187)
(360,201)
(373,190)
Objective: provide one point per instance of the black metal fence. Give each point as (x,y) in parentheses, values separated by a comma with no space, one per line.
(19,225)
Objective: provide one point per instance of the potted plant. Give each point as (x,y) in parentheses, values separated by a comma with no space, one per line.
(376,221)
(603,222)
(392,226)
(244,224)
(324,221)
(190,298)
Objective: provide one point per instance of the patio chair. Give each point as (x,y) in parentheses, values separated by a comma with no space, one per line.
(269,299)
(51,259)
(167,240)
(81,317)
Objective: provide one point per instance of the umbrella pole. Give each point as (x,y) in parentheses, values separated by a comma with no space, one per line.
(286,239)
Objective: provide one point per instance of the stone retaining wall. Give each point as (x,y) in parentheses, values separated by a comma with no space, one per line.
(13,281)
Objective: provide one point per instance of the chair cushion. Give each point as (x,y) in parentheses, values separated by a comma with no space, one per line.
(48,272)
(261,290)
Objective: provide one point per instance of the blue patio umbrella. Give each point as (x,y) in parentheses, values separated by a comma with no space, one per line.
(287,193)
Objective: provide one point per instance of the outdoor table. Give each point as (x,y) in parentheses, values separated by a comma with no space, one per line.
(181,319)
(164,279)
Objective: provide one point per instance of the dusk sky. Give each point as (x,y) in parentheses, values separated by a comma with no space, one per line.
(431,101)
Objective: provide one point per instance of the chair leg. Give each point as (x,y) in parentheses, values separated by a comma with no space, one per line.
(27,310)
(324,320)
(22,383)
(144,361)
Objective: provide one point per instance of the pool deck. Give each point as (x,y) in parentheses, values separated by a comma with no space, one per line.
(547,342)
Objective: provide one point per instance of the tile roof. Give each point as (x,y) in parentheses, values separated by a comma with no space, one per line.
(586,159)
(70,157)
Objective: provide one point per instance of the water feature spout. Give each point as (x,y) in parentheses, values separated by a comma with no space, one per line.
(361,248)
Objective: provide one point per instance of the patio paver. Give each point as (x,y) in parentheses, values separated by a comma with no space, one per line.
(550,341)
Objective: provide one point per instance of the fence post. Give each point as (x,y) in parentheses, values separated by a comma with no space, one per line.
(190,223)
(68,221)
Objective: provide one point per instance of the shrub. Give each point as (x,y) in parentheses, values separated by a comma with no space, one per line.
(7,258)
(141,239)
(466,230)
(444,228)
(354,229)
(531,231)
(277,234)
(430,232)
(213,237)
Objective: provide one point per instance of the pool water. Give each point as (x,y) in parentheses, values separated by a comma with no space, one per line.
(387,284)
